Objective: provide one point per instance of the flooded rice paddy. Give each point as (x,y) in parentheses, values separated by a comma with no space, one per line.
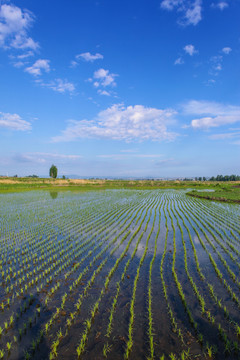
(118,274)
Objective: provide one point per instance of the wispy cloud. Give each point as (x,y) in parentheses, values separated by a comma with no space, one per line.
(216,65)
(42,158)
(191,10)
(132,123)
(87,56)
(210,82)
(14,27)
(25,55)
(130,155)
(37,68)
(232,136)
(129,151)
(14,122)
(226,50)
(216,62)
(220,5)
(19,64)
(190,49)
(211,114)
(168,163)
(104,92)
(224,136)
(179,61)
(73,64)
(59,85)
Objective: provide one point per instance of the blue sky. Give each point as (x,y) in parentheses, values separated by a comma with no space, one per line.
(120,88)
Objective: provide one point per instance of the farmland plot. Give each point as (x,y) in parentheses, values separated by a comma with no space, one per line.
(118,274)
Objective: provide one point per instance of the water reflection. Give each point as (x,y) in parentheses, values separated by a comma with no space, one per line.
(53,194)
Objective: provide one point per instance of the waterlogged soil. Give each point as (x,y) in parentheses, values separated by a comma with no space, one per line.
(118,274)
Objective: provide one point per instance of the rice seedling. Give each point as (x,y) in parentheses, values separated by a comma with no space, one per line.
(237,330)
(8,346)
(27,356)
(210,351)
(131,320)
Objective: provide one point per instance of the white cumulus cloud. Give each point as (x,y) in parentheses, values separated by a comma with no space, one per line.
(191,10)
(193,13)
(211,114)
(170,4)
(104,78)
(190,49)
(20,42)
(14,122)
(37,68)
(123,123)
(14,26)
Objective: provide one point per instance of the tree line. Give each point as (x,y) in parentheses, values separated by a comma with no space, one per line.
(225,178)
(219,178)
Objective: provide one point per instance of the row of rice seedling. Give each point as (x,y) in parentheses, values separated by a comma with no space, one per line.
(178,284)
(150,315)
(174,322)
(193,284)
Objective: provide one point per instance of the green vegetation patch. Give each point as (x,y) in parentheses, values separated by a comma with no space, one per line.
(227,193)
(27,183)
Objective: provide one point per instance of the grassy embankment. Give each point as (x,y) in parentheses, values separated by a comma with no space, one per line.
(226,191)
